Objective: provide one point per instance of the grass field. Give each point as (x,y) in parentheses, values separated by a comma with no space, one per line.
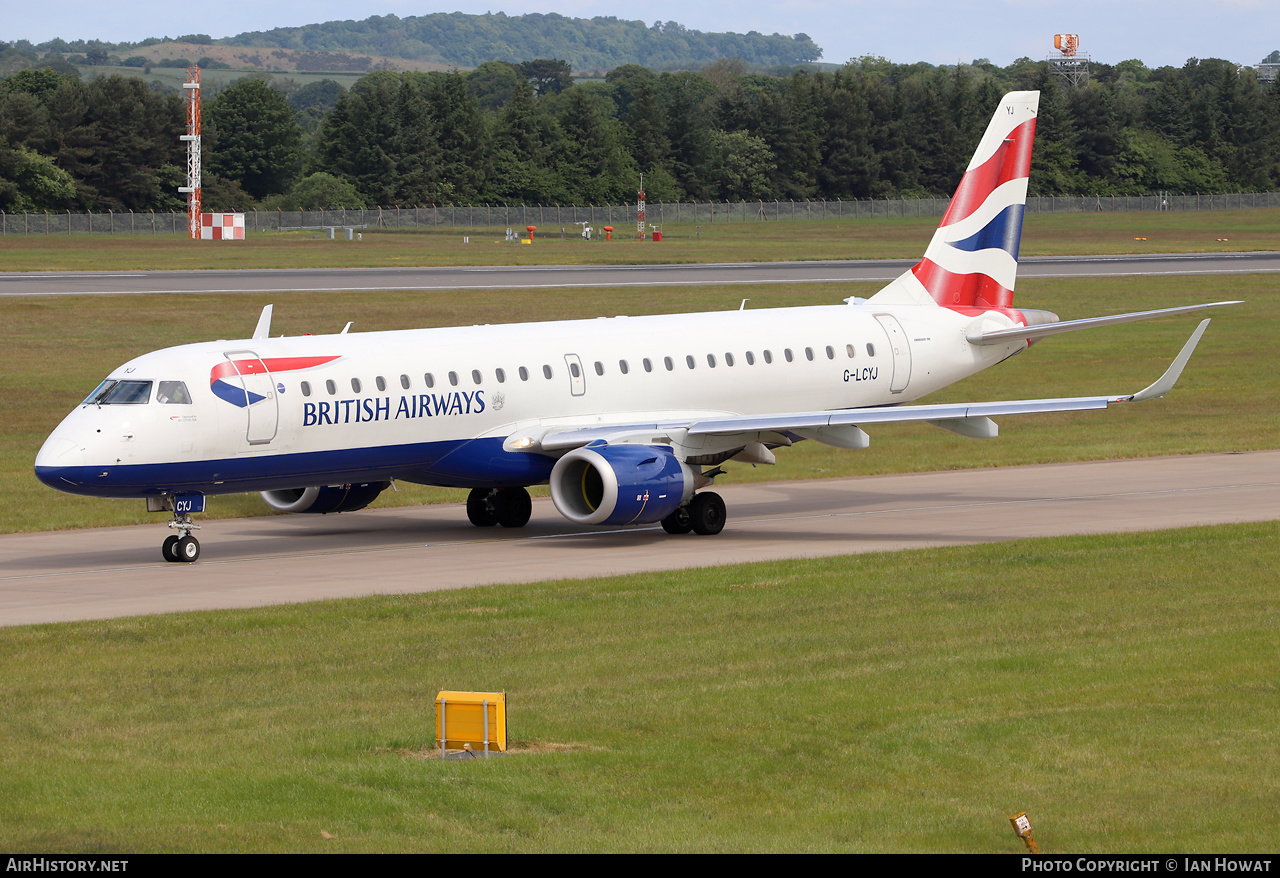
(1043,235)
(60,348)
(1121,689)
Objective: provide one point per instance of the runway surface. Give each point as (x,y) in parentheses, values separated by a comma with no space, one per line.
(109,572)
(568,276)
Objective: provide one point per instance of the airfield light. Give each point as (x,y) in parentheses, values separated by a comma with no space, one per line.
(1022,826)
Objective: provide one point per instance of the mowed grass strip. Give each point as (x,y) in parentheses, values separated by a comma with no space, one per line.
(752,241)
(58,349)
(1120,689)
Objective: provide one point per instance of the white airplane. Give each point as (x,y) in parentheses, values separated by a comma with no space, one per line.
(627,418)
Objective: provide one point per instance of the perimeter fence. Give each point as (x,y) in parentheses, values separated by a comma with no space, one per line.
(621,216)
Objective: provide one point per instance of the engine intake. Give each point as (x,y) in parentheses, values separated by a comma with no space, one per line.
(620,484)
(326,499)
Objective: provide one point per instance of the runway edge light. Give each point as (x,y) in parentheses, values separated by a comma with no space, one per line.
(1022,826)
(478,719)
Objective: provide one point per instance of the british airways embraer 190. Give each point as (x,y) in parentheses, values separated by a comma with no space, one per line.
(627,418)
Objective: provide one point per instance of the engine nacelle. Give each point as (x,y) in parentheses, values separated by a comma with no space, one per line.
(620,484)
(329,498)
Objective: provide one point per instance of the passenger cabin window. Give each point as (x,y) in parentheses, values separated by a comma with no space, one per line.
(787,353)
(711,360)
(573,370)
(849,350)
(404,381)
(831,352)
(524,374)
(666,361)
(768,356)
(500,374)
(429,380)
(331,387)
(871,349)
(623,367)
(355,385)
(546,372)
(599,368)
(306,388)
(728,358)
(381,382)
(476,376)
(648,364)
(175,393)
(453,378)
(688,359)
(751,358)
(808,353)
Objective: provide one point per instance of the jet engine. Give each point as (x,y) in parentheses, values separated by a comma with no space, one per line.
(620,484)
(322,500)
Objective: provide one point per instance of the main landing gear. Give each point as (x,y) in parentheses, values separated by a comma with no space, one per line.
(182,546)
(509,507)
(704,515)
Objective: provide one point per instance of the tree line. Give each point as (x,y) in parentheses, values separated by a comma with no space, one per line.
(529,133)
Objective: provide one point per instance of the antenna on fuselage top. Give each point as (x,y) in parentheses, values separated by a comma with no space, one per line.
(263,329)
(345,328)
(743,306)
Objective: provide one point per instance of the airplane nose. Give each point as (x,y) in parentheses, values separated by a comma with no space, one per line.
(56,455)
(60,451)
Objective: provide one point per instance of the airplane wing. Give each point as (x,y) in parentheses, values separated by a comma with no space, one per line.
(716,436)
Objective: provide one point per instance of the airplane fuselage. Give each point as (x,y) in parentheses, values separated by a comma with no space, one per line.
(434,405)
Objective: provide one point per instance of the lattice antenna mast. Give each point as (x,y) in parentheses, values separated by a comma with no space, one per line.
(192,137)
(640,210)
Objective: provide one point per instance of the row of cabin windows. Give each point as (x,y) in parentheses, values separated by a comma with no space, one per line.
(623,366)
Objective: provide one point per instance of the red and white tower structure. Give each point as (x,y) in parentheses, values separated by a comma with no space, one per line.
(192,137)
(640,210)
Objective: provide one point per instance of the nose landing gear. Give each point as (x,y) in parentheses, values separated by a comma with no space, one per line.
(182,546)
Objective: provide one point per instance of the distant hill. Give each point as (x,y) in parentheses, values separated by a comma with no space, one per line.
(601,43)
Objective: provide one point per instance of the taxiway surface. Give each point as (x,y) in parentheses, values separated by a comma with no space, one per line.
(570,276)
(111,572)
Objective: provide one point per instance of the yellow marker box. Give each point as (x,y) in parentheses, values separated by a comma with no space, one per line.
(475,718)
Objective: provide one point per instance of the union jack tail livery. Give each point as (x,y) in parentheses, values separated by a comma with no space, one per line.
(971,264)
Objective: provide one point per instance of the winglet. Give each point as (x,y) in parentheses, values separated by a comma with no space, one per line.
(1171,375)
(263,329)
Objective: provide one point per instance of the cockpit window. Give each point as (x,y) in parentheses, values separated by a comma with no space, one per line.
(99,391)
(173,393)
(111,392)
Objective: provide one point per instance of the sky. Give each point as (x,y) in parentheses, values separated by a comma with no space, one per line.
(1157,32)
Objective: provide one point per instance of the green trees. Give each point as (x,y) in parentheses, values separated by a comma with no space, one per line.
(30,182)
(871,129)
(255,139)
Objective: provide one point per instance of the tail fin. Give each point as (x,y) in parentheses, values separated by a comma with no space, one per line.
(972,261)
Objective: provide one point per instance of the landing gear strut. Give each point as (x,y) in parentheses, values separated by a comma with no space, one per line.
(509,507)
(182,546)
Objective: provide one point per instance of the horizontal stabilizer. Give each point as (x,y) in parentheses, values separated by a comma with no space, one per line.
(977,336)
